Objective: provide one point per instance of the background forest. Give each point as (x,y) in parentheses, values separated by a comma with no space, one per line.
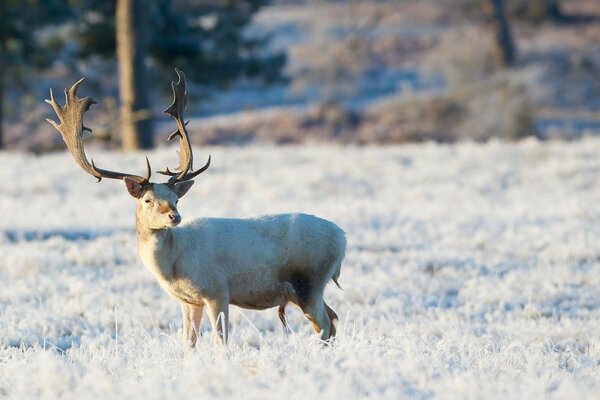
(352,71)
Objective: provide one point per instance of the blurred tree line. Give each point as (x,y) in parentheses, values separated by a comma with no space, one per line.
(205,38)
(496,83)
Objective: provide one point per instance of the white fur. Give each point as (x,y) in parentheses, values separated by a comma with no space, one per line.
(253,263)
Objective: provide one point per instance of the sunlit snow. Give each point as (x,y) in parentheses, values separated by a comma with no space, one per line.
(472,271)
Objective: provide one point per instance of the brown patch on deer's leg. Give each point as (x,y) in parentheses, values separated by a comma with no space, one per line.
(333,317)
(318,318)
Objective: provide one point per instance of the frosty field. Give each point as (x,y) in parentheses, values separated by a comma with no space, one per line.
(472,271)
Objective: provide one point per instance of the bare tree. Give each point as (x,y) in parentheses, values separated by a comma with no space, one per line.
(135,124)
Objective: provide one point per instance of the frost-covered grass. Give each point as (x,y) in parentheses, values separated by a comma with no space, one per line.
(473,271)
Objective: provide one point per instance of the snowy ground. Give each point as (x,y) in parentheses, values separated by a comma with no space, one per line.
(473,271)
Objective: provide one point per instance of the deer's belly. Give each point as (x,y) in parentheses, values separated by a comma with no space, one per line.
(262,298)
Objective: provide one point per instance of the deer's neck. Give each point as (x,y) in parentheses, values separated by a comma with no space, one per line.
(157,249)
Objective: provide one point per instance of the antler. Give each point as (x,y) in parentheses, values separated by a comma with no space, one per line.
(184,171)
(71,128)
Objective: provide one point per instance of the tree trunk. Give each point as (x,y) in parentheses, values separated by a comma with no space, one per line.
(504,39)
(135,118)
(553,10)
(2,73)
(2,144)
(1,112)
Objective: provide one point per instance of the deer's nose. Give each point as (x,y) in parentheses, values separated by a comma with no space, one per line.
(175,218)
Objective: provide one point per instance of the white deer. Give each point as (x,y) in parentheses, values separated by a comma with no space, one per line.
(254,263)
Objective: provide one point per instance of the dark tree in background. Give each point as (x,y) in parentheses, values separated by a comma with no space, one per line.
(131,24)
(23,50)
(207,39)
(503,34)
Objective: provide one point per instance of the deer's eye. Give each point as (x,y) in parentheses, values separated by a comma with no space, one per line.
(148,201)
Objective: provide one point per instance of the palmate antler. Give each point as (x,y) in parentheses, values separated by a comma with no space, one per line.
(71,128)
(184,172)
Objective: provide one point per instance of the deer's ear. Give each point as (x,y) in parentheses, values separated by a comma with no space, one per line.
(181,188)
(133,187)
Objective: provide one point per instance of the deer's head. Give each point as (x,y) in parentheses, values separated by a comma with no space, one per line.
(156,202)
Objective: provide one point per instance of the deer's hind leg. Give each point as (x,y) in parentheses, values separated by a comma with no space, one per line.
(308,295)
(314,310)
(288,294)
(333,318)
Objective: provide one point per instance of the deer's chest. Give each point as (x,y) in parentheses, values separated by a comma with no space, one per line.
(181,284)
(184,290)
(159,263)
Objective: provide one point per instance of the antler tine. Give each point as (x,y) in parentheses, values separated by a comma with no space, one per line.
(193,174)
(184,171)
(71,128)
(148,171)
(174,175)
(167,171)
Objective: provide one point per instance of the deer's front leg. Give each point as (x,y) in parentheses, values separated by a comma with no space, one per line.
(192,315)
(218,312)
